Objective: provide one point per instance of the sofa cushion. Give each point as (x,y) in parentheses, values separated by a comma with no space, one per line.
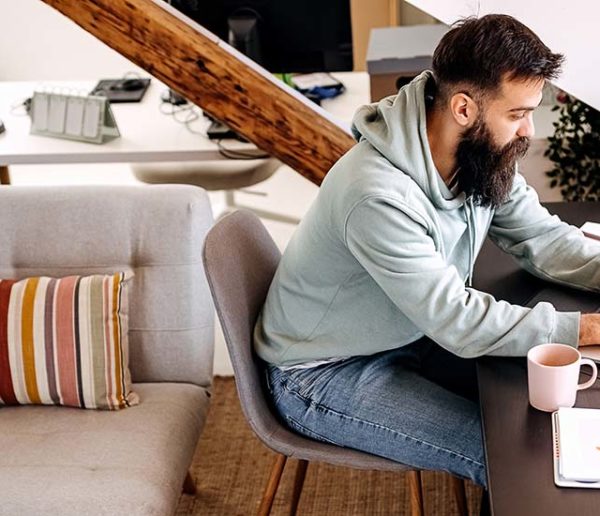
(66,461)
(64,341)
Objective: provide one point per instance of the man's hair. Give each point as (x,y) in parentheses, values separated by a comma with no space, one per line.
(478,53)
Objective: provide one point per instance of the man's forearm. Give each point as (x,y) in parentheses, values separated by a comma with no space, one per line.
(589,329)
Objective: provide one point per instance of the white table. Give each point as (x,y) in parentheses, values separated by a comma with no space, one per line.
(147,134)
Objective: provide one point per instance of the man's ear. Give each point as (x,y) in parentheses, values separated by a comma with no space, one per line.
(464,109)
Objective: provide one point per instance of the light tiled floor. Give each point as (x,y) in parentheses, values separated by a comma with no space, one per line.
(285,192)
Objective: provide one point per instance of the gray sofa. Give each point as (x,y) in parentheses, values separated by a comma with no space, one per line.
(68,461)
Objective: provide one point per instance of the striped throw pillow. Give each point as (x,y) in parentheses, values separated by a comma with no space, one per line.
(63,341)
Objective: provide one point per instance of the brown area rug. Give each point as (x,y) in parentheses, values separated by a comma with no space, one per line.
(231,468)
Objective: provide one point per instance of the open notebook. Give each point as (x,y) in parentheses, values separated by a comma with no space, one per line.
(576,433)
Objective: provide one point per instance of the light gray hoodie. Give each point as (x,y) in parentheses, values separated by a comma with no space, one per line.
(385,256)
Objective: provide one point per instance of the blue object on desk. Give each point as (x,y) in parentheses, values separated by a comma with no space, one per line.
(319,93)
(327,92)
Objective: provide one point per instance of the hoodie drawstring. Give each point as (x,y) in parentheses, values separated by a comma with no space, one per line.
(470,219)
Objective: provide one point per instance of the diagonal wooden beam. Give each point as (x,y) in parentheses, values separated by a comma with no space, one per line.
(217,78)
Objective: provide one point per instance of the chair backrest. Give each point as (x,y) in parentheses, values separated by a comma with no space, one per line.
(155,231)
(240,259)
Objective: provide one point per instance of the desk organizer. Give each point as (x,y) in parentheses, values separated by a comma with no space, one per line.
(85,118)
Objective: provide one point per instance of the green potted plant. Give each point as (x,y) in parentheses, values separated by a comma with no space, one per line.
(574,150)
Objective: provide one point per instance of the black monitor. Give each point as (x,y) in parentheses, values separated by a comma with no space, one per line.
(283,36)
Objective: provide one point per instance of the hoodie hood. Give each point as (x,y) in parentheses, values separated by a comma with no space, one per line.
(397,127)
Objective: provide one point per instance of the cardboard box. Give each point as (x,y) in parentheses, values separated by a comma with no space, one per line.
(397,54)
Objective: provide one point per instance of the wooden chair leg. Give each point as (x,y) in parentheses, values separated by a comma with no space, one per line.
(4,175)
(485,509)
(460,495)
(298,485)
(189,485)
(416,493)
(269,495)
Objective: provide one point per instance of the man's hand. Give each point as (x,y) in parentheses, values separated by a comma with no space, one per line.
(589,329)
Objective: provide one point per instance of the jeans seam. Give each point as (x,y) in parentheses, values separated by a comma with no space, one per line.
(311,433)
(376,425)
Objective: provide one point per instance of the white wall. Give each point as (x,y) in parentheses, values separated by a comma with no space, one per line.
(570,28)
(39,43)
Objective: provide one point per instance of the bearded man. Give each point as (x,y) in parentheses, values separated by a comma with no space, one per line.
(370,326)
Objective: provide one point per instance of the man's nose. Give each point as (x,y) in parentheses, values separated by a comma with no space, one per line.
(527,128)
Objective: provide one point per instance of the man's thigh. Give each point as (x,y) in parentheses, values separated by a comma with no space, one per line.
(383,405)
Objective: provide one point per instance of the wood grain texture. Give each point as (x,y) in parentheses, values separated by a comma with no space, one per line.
(460,495)
(416,493)
(214,76)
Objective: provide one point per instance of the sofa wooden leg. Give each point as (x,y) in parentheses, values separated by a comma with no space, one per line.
(298,485)
(460,495)
(416,493)
(4,175)
(269,495)
(189,485)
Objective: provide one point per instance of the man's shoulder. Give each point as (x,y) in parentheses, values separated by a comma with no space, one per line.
(364,172)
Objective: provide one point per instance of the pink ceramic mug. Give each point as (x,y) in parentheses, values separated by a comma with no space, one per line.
(553,373)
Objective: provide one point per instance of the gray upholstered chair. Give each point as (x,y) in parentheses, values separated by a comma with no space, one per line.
(240,259)
(72,462)
(228,175)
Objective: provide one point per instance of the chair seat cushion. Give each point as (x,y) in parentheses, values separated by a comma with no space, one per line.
(68,461)
(227,174)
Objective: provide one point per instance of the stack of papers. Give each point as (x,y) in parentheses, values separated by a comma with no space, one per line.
(576,434)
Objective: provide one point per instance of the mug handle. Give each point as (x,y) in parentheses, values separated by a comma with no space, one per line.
(590,382)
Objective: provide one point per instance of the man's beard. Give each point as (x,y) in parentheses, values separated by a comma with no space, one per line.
(486,171)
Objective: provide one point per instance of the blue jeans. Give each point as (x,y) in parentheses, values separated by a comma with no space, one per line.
(416,404)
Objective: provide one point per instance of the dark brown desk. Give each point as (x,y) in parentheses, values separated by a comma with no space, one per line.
(518,438)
